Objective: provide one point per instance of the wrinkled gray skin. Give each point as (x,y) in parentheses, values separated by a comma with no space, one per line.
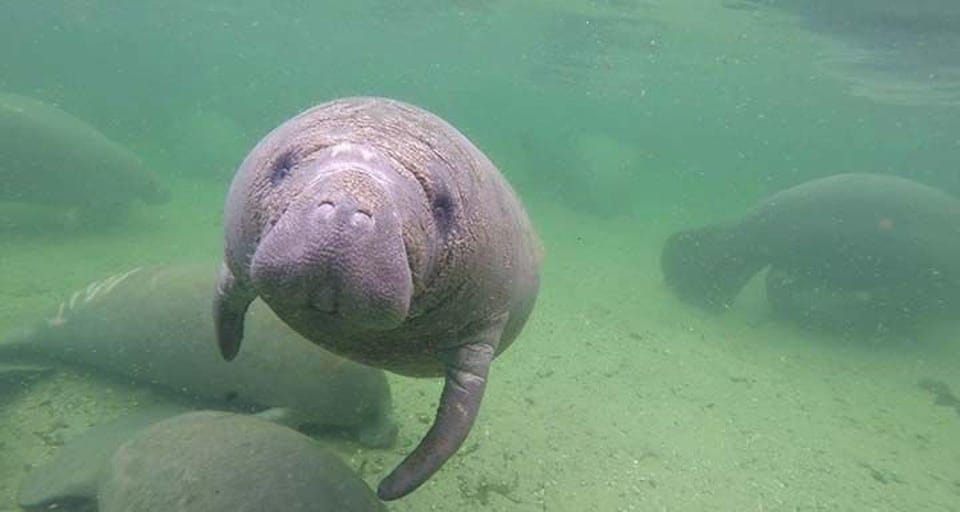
(861,242)
(220,462)
(378,231)
(152,326)
(48,156)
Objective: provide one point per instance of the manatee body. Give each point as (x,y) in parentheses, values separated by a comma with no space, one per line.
(377,230)
(48,156)
(221,462)
(845,247)
(891,308)
(152,325)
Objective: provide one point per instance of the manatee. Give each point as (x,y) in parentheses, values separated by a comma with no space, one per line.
(221,462)
(152,326)
(846,245)
(50,157)
(69,481)
(377,230)
(869,311)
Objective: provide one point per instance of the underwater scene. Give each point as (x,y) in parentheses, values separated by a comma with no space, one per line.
(431,255)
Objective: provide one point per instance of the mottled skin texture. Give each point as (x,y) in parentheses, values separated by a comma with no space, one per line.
(859,235)
(378,231)
(221,462)
(48,156)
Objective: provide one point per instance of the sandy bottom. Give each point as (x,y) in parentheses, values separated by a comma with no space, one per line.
(616,397)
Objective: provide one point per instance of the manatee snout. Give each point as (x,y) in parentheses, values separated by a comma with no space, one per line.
(338,252)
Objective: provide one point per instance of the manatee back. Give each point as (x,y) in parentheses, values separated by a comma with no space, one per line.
(856,229)
(221,462)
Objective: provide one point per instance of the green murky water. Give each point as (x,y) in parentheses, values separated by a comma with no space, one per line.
(619,123)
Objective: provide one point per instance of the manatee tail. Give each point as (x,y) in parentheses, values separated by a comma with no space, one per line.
(709,266)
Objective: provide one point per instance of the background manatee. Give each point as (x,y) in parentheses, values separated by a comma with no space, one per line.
(48,156)
(221,462)
(152,325)
(867,244)
(819,304)
(70,480)
(377,230)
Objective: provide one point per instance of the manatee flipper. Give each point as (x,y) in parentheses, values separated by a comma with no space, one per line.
(229,307)
(708,266)
(380,432)
(466,379)
(69,481)
(282,416)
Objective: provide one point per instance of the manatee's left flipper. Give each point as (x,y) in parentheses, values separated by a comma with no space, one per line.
(229,307)
(283,416)
(466,379)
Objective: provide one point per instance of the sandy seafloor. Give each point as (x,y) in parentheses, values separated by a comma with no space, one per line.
(616,396)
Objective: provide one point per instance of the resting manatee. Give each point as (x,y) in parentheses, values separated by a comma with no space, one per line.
(152,325)
(861,243)
(221,462)
(48,156)
(377,230)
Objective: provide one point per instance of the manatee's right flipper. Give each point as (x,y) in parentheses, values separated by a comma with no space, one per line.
(466,380)
(709,266)
(229,307)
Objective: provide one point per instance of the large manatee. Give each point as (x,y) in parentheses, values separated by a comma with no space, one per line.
(48,156)
(210,461)
(377,230)
(152,326)
(846,249)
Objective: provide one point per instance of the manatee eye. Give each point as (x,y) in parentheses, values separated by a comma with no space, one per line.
(281,168)
(443,212)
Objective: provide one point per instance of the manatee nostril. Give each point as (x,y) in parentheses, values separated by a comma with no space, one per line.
(361,219)
(326,209)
